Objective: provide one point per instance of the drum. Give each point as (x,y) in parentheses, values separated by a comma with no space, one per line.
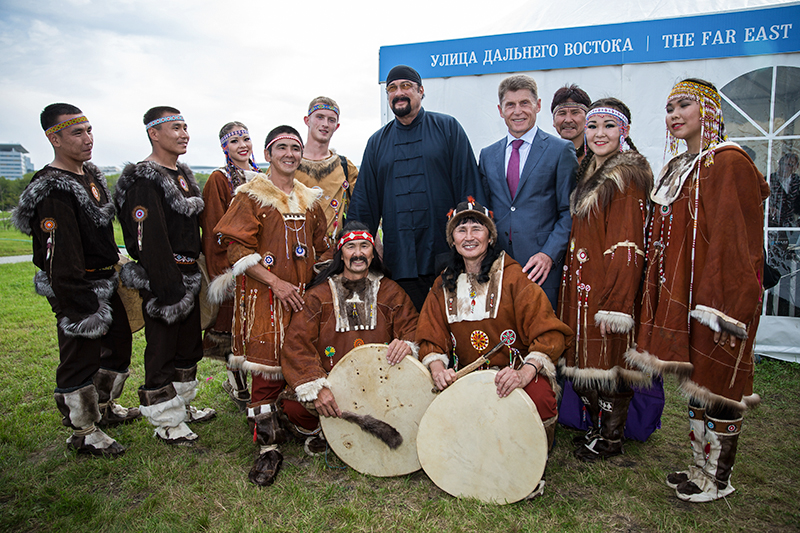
(208,310)
(474,444)
(130,299)
(364,383)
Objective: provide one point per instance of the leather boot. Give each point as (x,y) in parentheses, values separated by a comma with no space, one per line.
(167,412)
(590,412)
(186,386)
(712,482)
(109,387)
(264,421)
(697,428)
(608,442)
(80,411)
(236,387)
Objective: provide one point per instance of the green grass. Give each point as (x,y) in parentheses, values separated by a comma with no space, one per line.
(154,487)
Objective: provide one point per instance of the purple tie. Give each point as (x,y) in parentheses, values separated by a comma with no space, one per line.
(512,176)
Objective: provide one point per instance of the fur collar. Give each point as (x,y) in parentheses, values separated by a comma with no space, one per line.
(319,169)
(673,174)
(52,179)
(263,191)
(355,303)
(154,172)
(599,185)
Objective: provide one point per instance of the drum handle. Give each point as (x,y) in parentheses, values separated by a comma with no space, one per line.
(475,364)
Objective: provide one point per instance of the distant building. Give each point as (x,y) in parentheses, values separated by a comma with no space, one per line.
(110,170)
(13,161)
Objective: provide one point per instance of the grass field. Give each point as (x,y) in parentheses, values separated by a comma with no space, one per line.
(154,487)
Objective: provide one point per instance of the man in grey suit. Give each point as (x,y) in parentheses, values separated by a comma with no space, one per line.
(528,177)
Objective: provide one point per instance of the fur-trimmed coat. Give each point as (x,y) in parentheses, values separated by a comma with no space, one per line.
(704,280)
(603,270)
(328,175)
(327,328)
(158,211)
(285,233)
(509,307)
(69,217)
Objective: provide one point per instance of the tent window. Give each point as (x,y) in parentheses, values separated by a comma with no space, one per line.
(762,114)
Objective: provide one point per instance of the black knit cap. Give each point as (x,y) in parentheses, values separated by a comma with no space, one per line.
(403,72)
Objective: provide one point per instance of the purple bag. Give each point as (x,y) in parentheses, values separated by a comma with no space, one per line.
(644,412)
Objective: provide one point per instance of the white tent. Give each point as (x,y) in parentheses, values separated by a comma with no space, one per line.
(636,52)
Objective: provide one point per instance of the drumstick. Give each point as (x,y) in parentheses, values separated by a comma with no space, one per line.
(476,363)
(378,428)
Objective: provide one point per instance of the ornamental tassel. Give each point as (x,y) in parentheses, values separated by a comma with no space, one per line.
(139,235)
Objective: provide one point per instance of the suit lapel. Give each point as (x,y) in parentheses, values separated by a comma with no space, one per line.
(499,164)
(536,152)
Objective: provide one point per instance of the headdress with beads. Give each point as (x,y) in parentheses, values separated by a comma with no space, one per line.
(355,235)
(470,209)
(711,124)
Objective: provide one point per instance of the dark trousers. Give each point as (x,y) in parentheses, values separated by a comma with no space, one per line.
(169,346)
(417,288)
(81,357)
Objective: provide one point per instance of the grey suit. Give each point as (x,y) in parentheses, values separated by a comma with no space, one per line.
(537,219)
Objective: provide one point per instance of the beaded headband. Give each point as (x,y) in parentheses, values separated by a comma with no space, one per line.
(359,235)
(236,133)
(622,121)
(168,118)
(284,136)
(711,124)
(315,107)
(568,105)
(66,124)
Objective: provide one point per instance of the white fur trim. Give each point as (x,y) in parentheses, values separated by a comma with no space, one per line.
(222,287)
(614,321)
(719,321)
(186,390)
(166,414)
(241,266)
(431,357)
(308,392)
(235,362)
(414,349)
(265,371)
(547,368)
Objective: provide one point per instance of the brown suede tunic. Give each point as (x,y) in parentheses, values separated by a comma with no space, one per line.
(603,269)
(285,233)
(712,275)
(327,328)
(509,307)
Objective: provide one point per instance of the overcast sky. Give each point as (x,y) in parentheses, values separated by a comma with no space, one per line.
(256,61)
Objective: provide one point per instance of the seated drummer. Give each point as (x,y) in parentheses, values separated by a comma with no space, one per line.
(350,303)
(483,297)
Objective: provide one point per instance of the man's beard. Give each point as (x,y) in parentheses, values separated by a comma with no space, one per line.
(402,112)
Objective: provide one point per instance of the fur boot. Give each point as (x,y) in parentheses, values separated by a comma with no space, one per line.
(109,387)
(80,411)
(268,432)
(167,412)
(712,482)
(186,386)
(697,428)
(591,407)
(608,442)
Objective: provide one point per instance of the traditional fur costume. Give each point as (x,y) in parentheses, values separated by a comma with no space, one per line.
(285,233)
(158,210)
(69,216)
(704,268)
(704,280)
(329,176)
(509,307)
(338,316)
(217,196)
(604,268)
(599,286)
